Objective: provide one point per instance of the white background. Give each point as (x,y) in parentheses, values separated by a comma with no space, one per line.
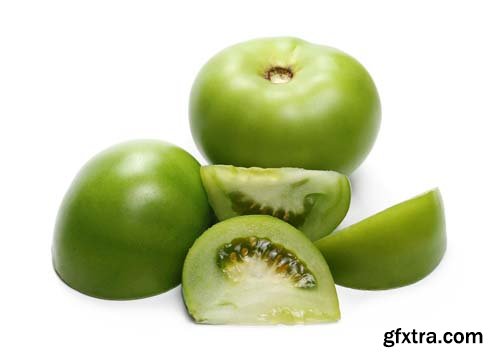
(79,76)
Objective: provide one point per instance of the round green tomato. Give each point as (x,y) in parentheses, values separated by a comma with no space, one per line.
(128,220)
(284,102)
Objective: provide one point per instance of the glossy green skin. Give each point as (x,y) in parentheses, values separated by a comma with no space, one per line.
(393,248)
(128,220)
(326,117)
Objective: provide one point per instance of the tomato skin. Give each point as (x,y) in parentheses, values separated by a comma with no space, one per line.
(393,248)
(128,220)
(326,117)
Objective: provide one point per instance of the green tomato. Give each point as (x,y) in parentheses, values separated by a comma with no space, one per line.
(313,201)
(393,248)
(128,220)
(284,102)
(257,269)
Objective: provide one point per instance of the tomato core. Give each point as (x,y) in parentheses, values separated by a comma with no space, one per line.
(278,75)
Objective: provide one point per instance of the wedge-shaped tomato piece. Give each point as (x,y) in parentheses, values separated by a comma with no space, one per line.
(313,201)
(393,248)
(257,269)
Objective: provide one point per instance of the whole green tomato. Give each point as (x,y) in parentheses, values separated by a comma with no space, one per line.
(128,220)
(279,102)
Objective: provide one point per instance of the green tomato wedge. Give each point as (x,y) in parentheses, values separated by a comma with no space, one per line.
(313,201)
(257,269)
(393,248)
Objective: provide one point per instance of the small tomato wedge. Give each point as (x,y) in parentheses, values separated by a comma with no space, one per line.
(313,201)
(393,248)
(257,269)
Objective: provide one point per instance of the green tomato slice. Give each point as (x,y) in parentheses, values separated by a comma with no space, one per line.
(313,201)
(393,248)
(257,269)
